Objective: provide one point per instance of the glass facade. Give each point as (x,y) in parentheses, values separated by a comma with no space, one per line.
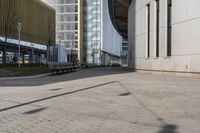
(88,23)
(124,52)
(66,21)
(92,31)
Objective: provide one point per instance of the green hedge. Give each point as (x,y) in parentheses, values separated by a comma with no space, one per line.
(13,71)
(22,65)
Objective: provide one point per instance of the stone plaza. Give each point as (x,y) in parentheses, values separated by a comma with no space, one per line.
(100,100)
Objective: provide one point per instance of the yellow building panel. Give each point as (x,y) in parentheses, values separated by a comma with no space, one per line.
(35,17)
(80,31)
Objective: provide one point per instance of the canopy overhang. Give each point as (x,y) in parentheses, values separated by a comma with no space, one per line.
(119,15)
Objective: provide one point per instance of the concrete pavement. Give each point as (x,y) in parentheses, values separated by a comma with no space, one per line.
(107,100)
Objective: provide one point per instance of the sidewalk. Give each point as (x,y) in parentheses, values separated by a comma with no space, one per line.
(107,100)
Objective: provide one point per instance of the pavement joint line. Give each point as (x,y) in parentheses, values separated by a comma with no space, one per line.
(54,96)
(16,102)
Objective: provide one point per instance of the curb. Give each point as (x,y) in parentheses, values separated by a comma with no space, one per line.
(25,77)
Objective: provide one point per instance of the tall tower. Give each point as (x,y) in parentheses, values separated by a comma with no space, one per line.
(69,26)
(92,31)
(101,40)
(84,27)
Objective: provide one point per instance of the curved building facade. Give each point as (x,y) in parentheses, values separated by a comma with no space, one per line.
(111,39)
(118,10)
(101,40)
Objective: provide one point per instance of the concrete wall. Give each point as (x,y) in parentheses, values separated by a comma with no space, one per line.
(185,55)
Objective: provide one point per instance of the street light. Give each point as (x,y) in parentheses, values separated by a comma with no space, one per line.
(19,27)
(32,47)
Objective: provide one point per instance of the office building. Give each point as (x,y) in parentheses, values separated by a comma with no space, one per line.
(84,27)
(68,23)
(101,43)
(164,36)
(124,52)
(37,28)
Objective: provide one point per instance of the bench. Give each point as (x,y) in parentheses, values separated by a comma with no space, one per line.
(60,68)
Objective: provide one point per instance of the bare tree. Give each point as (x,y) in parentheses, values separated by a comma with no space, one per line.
(9,18)
(50,37)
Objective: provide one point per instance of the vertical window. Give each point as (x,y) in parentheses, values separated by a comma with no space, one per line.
(148,31)
(169,27)
(157,26)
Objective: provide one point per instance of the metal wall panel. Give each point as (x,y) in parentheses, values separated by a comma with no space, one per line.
(36,17)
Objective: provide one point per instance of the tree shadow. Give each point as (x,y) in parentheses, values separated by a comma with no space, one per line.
(125,94)
(165,127)
(34,111)
(169,128)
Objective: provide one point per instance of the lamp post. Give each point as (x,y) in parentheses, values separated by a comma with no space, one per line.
(32,47)
(19,27)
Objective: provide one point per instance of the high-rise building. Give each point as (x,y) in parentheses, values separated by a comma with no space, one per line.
(92,31)
(84,27)
(101,42)
(67,26)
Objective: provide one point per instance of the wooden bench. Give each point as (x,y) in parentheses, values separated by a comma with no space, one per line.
(60,68)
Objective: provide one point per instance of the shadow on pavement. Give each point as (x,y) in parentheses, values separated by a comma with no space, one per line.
(165,127)
(81,74)
(34,111)
(169,129)
(51,97)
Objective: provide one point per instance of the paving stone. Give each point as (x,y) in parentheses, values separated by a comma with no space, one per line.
(106,100)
